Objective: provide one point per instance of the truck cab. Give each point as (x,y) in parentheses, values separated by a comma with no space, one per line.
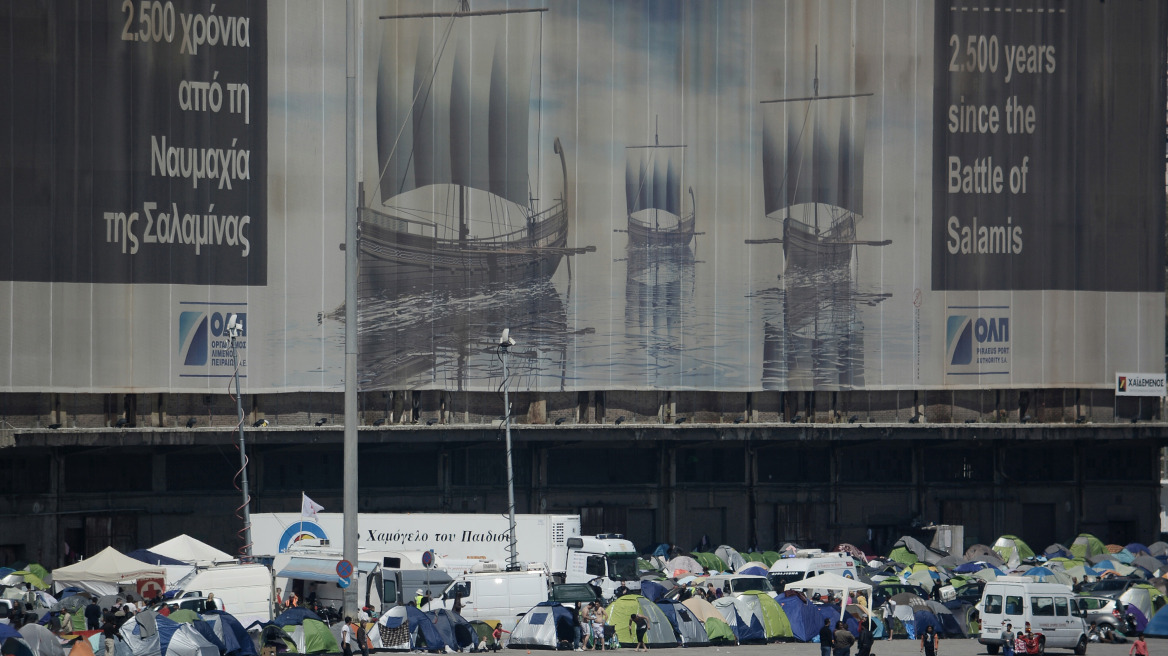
(607,561)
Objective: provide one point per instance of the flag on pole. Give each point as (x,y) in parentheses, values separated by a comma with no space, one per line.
(308,507)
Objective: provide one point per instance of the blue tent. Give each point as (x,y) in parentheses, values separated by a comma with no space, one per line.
(752,631)
(832,612)
(166,629)
(654,592)
(532,630)
(235,637)
(662,550)
(151,558)
(6,631)
(207,632)
(686,628)
(1157,626)
(924,618)
(421,628)
(294,616)
(455,631)
(1138,547)
(804,619)
(754,570)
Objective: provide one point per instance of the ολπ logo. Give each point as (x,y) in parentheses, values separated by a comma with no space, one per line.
(977,344)
(198,331)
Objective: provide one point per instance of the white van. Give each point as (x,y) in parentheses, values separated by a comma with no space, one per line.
(811,562)
(739,583)
(494,596)
(1047,606)
(245,590)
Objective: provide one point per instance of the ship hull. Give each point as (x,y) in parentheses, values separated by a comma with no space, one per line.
(396,259)
(642,234)
(808,251)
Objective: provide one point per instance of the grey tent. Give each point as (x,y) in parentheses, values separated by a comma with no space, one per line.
(41,640)
(689,629)
(187,641)
(923,552)
(140,633)
(730,556)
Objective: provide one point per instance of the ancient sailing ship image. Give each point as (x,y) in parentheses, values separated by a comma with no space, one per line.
(453,207)
(653,175)
(813,173)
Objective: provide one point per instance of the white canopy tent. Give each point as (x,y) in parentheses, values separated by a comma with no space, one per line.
(833,582)
(192,551)
(102,573)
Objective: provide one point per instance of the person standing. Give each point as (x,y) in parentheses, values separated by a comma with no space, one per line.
(864,642)
(93,616)
(842,640)
(930,642)
(641,624)
(362,636)
(346,636)
(826,639)
(599,616)
(577,627)
(887,613)
(1139,647)
(1008,640)
(109,632)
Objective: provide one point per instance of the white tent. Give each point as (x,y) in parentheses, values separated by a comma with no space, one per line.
(190,550)
(140,634)
(834,582)
(187,641)
(101,573)
(42,640)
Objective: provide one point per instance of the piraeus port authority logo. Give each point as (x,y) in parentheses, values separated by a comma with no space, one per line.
(977,341)
(203,340)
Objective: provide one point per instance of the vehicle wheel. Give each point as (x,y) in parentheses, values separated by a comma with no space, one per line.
(1042,647)
(1081,648)
(992,649)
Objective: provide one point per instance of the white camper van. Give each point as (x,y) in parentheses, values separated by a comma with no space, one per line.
(811,562)
(494,596)
(245,590)
(1047,607)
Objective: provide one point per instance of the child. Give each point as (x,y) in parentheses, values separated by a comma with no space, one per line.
(1020,644)
(1139,647)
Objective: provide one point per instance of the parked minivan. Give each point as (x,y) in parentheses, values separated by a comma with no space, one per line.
(494,596)
(1048,607)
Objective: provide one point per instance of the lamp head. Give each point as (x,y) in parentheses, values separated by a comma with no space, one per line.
(506,341)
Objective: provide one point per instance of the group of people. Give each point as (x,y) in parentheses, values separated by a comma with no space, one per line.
(840,641)
(589,627)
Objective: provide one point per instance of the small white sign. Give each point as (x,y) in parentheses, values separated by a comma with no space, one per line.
(1141,384)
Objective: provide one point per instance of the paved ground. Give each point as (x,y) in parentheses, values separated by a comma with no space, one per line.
(882,648)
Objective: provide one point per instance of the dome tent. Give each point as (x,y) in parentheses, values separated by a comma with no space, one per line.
(543,627)
(660,632)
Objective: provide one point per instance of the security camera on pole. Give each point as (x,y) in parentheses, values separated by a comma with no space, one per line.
(505,344)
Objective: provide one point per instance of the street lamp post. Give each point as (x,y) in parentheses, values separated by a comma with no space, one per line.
(234,331)
(505,344)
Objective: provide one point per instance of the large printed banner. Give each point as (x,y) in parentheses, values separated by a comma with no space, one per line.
(686,195)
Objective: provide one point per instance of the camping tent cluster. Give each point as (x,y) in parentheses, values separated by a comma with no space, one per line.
(900,594)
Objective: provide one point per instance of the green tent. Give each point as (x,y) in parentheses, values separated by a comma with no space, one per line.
(32,579)
(314,637)
(718,631)
(183,615)
(660,632)
(774,619)
(1087,545)
(710,562)
(770,557)
(484,631)
(1013,550)
(903,556)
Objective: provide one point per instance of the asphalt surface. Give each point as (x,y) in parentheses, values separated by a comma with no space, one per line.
(881,648)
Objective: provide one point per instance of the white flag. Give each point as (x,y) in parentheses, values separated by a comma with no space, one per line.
(308,507)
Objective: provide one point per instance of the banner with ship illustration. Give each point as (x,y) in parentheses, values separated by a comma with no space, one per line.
(680,195)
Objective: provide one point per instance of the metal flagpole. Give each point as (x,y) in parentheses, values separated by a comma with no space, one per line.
(352,33)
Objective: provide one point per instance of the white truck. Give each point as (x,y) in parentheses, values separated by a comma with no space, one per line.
(461,541)
(244,590)
(810,562)
(492,596)
(607,561)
